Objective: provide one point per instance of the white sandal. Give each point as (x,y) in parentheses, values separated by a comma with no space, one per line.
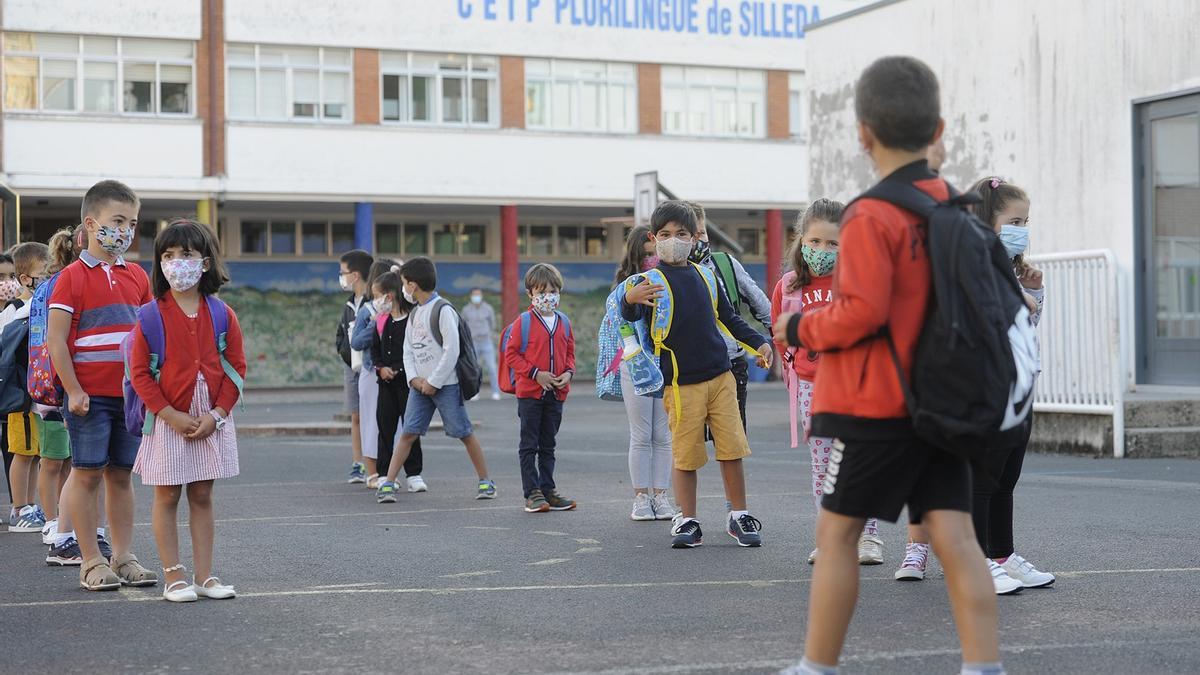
(178,591)
(218,591)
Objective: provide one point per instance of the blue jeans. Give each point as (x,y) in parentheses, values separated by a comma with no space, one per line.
(540,420)
(448,401)
(99,438)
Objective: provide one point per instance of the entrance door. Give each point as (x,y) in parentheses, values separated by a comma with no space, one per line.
(1169,224)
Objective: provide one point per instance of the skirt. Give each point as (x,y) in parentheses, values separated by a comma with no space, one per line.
(167,458)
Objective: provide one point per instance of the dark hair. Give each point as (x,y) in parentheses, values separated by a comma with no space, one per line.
(6,258)
(542,275)
(897,98)
(995,195)
(635,253)
(676,211)
(190,236)
(26,256)
(389,282)
(701,216)
(828,210)
(359,261)
(422,272)
(100,194)
(379,267)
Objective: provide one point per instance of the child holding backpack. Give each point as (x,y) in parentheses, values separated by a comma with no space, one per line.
(387,362)
(189,391)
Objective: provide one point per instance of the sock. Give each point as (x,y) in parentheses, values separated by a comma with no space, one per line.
(61,538)
(993,668)
(1001,561)
(737,514)
(99,531)
(808,667)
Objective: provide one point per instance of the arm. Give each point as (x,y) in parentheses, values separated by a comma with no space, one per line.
(522,366)
(570,369)
(410,356)
(360,336)
(235,354)
(736,324)
(776,307)
(760,306)
(444,370)
(1039,297)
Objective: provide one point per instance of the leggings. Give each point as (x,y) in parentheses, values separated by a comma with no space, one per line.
(819,449)
(393,398)
(368,404)
(992,492)
(649,438)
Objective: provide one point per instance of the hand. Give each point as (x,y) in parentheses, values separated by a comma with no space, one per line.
(1030,302)
(1031,278)
(644,293)
(181,422)
(545,380)
(422,385)
(79,403)
(779,333)
(764,355)
(387,374)
(207,425)
(563,380)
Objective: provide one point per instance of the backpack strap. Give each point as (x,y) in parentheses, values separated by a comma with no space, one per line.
(219,312)
(150,322)
(710,280)
(435,319)
(526,320)
(564,322)
(724,265)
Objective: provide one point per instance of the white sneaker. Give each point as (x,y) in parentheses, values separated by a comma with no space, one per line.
(642,508)
(1005,585)
(49,531)
(870,550)
(495,396)
(663,508)
(373,481)
(812,557)
(916,557)
(473,398)
(1023,571)
(417,484)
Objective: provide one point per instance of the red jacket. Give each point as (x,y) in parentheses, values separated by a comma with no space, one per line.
(882,280)
(191,349)
(816,294)
(553,353)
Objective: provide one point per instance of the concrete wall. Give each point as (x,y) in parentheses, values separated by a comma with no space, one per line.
(129,18)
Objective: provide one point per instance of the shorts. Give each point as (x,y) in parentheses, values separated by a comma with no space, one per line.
(53,437)
(714,403)
(877,479)
(99,438)
(448,402)
(23,434)
(350,386)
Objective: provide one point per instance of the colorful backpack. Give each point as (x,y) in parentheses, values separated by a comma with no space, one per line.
(138,420)
(43,384)
(505,373)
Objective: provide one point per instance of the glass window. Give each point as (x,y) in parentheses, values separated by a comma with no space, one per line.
(139,88)
(595,242)
(272,95)
(481,97)
(175,87)
(58,85)
(748,239)
(280,83)
(796,108)
(541,240)
(305,94)
(452,99)
(580,95)
(100,87)
(20,83)
(449,89)
(474,240)
(342,238)
(422,101)
(241,92)
(312,238)
(568,241)
(336,95)
(713,101)
(395,97)
(387,238)
(444,240)
(254,237)
(283,238)
(416,239)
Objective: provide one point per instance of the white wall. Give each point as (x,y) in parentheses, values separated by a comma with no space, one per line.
(131,18)
(417,165)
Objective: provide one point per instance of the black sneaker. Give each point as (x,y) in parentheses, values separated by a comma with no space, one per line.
(105,547)
(67,555)
(686,534)
(745,528)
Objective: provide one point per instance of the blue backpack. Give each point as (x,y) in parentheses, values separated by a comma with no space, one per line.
(13,364)
(41,380)
(508,378)
(138,420)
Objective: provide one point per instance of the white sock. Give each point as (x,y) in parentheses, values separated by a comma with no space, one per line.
(62,537)
(737,514)
(100,531)
(982,668)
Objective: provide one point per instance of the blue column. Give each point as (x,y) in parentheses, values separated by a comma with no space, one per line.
(364,226)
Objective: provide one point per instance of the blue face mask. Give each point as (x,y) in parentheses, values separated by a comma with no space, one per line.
(1015,239)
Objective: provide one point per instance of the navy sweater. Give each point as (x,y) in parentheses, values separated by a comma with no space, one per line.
(694,337)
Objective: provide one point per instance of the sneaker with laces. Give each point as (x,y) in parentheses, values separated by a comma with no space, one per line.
(642,508)
(870,550)
(558,502)
(487,489)
(686,533)
(1005,585)
(417,484)
(916,557)
(358,473)
(536,503)
(745,528)
(104,546)
(1023,571)
(663,508)
(386,492)
(67,555)
(49,531)
(25,520)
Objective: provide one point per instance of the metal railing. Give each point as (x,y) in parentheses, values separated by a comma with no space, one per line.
(1080,333)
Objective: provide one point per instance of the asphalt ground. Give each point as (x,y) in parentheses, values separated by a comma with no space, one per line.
(329,581)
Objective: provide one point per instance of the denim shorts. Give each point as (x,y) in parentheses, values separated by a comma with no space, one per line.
(448,402)
(99,438)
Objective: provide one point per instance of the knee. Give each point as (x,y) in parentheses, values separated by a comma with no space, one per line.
(200,494)
(838,531)
(167,495)
(89,479)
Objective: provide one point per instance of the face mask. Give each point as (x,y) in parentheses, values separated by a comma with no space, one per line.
(9,289)
(182,273)
(672,251)
(382,305)
(408,297)
(545,302)
(344,282)
(34,282)
(476,299)
(115,240)
(649,263)
(1015,239)
(700,251)
(820,263)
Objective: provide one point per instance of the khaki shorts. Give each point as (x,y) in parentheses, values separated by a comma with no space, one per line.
(714,403)
(23,434)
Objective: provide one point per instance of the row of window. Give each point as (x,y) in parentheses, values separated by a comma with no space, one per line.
(135,76)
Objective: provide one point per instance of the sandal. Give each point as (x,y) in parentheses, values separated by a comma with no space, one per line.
(97,575)
(131,572)
(217,591)
(178,591)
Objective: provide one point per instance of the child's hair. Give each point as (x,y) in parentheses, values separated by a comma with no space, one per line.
(189,235)
(27,256)
(701,217)
(389,282)
(100,194)
(676,211)
(897,98)
(379,267)
(359,261)
(65,246)
(543,275)
(6,258)
(995,195)
(422,272)
(635,253)
(828,210)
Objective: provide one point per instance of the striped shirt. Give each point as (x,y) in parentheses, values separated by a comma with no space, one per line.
(102,300)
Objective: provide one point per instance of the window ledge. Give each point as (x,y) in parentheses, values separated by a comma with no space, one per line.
(101,117)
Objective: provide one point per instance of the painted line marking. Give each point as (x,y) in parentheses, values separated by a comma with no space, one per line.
(550,561)
(589,549)
(586,541)
(336,586)
(482,527)
(549,533)
(460,575)
(400,525)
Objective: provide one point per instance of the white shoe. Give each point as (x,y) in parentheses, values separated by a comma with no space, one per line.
(213,591)
(812,557)
(916,558)
(474,398)
(49,531)
(870,550)
(663,508)
(1005,585)
(1023,571)
(643,509)
(373,481)
(179,591)
(417,484)
(495,396)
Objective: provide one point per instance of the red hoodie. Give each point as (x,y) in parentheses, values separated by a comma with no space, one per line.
(545,351)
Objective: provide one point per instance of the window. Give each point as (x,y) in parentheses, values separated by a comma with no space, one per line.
(283,238)
(452,89)
(459,239)
(580,96)
(416,238)
(313,240)
(268,82)
(387,238)
(342,238)
(101,75)
(254,237)
(563,241)
(750,239)
(713,102)
(797,110)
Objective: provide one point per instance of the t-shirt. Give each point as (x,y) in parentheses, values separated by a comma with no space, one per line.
(103,301)
(423,356)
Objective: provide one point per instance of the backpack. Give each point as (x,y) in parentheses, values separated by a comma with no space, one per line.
(609,351)
(138,420)
(724,264)
(791,302)
(41,379)
(470,376)
(976,359)
(505,373)
(14,342)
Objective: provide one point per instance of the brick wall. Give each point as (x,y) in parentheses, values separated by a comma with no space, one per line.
(777,104)
(512,92)
(366,86)
(649,77)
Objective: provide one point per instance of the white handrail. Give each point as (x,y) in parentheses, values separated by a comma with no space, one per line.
(1080,333)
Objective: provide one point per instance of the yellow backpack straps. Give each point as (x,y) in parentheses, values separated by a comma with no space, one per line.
(711,282)
(660,326)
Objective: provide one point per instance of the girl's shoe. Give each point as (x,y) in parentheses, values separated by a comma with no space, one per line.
(179,591)
(663,508)
(916,558)
(1023,571)
(213,589)
(1005,585)
(643,508)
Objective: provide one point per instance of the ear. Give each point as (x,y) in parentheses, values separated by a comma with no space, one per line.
(866,137)
(937,134)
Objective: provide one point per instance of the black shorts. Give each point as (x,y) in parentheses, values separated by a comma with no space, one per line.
(876,479)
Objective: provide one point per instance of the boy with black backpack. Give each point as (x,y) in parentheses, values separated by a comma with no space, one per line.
(888,270)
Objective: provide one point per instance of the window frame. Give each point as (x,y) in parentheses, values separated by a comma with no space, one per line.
(695,81)
(289,71)
(607,82)
(556,252)
(468,75)
(796,86)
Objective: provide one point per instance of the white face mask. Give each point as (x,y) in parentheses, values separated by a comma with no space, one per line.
(408,297)
(382,305)
(344,282)
(476,299)
(673,251)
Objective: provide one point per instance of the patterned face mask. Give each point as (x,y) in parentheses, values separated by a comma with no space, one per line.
(819,262)
(545,302)
(183,273)
(383,305)
(115,240)
(700,252)
(9,289)
(649,263)
(673,250)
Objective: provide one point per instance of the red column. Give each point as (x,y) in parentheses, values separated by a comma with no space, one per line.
(774,247)
(510,281)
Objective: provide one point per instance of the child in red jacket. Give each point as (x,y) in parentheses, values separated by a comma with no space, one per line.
(544,364)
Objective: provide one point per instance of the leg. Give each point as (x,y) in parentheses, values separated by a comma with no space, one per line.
(350,389)
(417,413)
(685,492)
(200,521)
(50,478)
(729,437)
(475,452)
(547,440)
(403,447)
(640,412)
(118,497)
(368,420)
(733,476)
(1000,520)
(81,505)
(415,464)
(164,517)
(355,437)
(972,595)
(529,412)
(22,467)
(660,449)
(388,417)
(489,358)
(834,589)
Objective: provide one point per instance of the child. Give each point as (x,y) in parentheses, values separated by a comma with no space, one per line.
(368,387)
(430,369)
(193,441)
(805,288)
(649,430)
(102,287)
(481,319)
(543,370)
(696,364)
(355,266)
(10,288)
(30,260)
(878,464)
(387,360)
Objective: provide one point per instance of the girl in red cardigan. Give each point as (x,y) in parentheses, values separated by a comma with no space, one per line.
(193,440)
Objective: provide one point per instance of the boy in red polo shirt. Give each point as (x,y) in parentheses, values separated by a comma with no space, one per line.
(93,306)
(543,370)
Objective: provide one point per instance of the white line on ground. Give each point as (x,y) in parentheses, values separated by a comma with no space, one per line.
(550,561)
(481,573)
(589,549)
(400,525)
(550,533)
(335,586)
(482,527)
(586,541)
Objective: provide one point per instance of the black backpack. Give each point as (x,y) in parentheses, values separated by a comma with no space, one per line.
(470,377)
(14,360)
(976,359)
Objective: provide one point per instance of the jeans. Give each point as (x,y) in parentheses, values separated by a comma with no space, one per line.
(448,401)
(540,419)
